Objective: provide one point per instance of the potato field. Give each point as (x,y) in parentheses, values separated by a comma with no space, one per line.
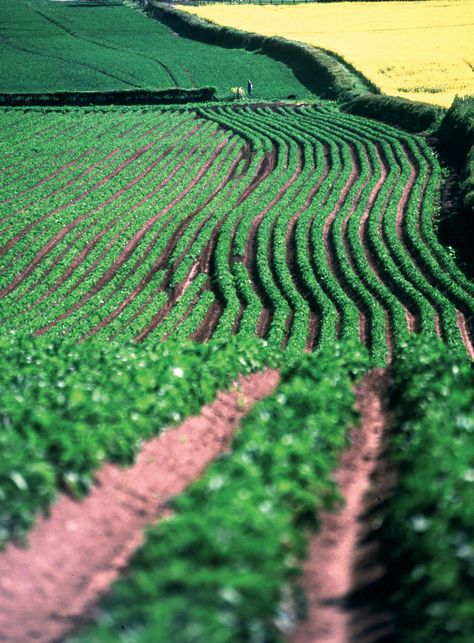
(236,382)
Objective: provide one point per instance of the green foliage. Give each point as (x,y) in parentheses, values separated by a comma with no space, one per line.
(323,72)
(58,46)
(260,219)
(218,568)
(456,144)
(428,530)
(411,116)
(67,408)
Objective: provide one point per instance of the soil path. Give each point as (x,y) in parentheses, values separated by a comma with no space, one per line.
(76,553)
(341,557)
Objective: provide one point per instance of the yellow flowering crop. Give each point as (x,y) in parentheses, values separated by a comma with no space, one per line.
(420,50)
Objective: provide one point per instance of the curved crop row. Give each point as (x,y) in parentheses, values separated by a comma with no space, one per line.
(300,225)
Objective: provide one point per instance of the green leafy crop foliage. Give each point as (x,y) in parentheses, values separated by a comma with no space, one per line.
(427,534)
(65,409)
(219,569)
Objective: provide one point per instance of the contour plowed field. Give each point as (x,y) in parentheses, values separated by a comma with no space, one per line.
(300,225)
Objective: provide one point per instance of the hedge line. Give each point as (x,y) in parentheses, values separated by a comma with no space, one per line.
(321,72)
(174,95)
(324,73)
(456,145)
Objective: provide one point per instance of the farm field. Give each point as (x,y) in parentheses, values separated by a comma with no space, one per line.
(417,50)
(297,225)
(48,46)
(236,362)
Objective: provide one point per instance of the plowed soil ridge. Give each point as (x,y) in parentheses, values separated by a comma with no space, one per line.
(79,550)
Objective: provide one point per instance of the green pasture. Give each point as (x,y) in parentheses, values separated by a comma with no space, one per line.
(48,46)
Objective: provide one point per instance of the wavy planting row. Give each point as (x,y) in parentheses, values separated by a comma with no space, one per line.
(300,225)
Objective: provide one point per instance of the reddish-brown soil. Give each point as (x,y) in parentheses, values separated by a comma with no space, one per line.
(342,559)
(76,553)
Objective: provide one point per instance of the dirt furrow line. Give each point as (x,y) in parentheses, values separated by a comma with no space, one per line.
(332,575)
(41,254)
(331,260)
(50,176)
(417,261)
(133,243)
(79,258)
(250,257)
(162,259)
(76,553)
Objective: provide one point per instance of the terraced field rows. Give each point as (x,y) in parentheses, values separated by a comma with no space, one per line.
(300,225)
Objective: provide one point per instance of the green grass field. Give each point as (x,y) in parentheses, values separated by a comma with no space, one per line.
(48,46)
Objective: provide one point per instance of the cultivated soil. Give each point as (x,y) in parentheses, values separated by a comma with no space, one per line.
(73,556)
(341,576)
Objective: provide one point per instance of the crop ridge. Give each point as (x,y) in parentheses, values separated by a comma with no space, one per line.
(87,558)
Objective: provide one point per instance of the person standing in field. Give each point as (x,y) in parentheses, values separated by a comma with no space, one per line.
(249,87)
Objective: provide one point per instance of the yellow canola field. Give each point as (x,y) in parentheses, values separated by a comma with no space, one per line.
(419,50)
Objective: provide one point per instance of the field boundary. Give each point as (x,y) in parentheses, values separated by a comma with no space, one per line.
(173,95)
(323,72)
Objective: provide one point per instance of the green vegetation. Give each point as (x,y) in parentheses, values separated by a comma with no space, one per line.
(66,408)
(456,145)
(428,530)
(140,222)
(220,568)
(59,46)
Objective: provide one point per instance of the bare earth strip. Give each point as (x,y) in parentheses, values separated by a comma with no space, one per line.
(332,574)
(76,553)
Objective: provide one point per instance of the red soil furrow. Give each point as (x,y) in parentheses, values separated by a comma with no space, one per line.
(332,261)
(177,293)
(208,324)
(78,198)
(109,200)
(226,179)
(314,323)
(264,170)
(291,253)
(136,155)
(427,274)
(53,265)
(148,301)
(250,256)
(464,331)
(51,176)
(143,200)
(41,254)
(76,553)
(365,243)
(363,235)
(21,253)
(189,309)
(79,258)
(31,169)
(332,574)
(162,259)
(363,323)
(131,245)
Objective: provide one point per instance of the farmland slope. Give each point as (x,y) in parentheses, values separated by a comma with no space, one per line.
(299,225)
(56,46)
